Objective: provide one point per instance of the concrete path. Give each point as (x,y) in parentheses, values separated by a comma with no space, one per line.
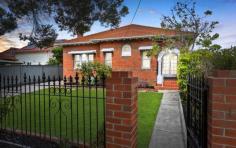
(169,130)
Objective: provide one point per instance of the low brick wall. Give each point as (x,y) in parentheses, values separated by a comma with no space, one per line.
(121,110)
(222,110)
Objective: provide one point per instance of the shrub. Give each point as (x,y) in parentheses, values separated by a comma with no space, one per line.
(224,59)
(196,62)
(95,68)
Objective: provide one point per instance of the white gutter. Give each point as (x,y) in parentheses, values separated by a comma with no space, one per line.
(82,52)
(145,48)
(107,49)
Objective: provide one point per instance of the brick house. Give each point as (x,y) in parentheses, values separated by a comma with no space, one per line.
(125,48)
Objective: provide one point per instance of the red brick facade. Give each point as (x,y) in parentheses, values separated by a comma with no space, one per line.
(222,110)
(121,110)
(120,63)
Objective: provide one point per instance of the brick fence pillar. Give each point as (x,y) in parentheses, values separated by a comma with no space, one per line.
(222,110)
(121,110)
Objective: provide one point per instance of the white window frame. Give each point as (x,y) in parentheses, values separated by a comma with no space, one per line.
(126,53)
(105,59)
(89,58)
(170,74)
(146,59)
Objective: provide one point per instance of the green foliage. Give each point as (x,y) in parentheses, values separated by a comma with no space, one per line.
(7,22)
(43,36)
(75,16)
(58,53)
(184,18)
(196,62)
(203,62)
(95,69)
(224,59)
(53,61)
(57,56)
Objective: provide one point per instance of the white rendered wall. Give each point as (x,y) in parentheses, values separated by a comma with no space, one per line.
(34,58)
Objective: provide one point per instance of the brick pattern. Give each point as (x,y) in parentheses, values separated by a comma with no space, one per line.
(121,110)
(170,84)
(119,63)
(222,111)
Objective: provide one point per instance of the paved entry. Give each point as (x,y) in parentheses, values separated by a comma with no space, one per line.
(169,130)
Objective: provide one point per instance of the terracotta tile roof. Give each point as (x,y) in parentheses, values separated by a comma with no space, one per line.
(132,30)
(8,54)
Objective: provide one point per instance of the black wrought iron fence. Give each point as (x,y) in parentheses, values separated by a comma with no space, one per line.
(50,112)
(197,112)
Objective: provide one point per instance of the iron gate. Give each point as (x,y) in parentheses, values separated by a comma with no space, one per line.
(197,112)
(50,112)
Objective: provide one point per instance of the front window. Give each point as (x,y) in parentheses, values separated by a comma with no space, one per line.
(108,59)
(146,60)
(126,50)
(169,65)
(82,58)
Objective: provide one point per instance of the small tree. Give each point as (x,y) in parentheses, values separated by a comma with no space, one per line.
(57,56)
(95,69)
(184,18)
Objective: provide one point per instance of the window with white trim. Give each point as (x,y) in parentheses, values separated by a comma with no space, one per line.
(169,65)
(146,60)
(82,58)
(126,50)
(108,58)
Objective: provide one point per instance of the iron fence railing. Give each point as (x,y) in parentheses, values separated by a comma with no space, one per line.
(197,112)
(51,112)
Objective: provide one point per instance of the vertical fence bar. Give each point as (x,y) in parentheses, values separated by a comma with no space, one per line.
(83,81)
(60,107)
(7,97)
(104,109)
(12,106)
(30,103)
(90,114)
(4,100)
(21,106)
(17,114)
(96,96)
(25,82)
(34,82)
(49,107)
(1,103)
(44,105)
(77,106)
(39,100)
(205,118)
(71,104)
(65,91)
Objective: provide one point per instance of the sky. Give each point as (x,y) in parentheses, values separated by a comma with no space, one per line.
(149,14)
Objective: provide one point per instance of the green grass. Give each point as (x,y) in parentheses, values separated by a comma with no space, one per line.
(44,115)
(34,111)
(148,106)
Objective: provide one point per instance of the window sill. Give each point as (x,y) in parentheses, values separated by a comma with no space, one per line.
(145,69)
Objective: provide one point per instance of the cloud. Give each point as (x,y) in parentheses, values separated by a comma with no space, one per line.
(11,40)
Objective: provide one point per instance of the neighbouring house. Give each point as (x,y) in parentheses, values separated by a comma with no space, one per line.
(8,57)
(125,48)
(32,55)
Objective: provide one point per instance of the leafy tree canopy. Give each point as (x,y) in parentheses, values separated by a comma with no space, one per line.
(184,18)
(75,16)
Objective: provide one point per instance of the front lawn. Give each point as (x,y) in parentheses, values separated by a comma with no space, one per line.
(62,117)
(148,106)
(66,116)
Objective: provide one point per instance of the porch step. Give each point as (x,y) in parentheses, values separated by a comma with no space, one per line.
(167,85)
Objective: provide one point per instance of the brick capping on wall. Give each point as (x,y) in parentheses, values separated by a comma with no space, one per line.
(222,109)
(121,110)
